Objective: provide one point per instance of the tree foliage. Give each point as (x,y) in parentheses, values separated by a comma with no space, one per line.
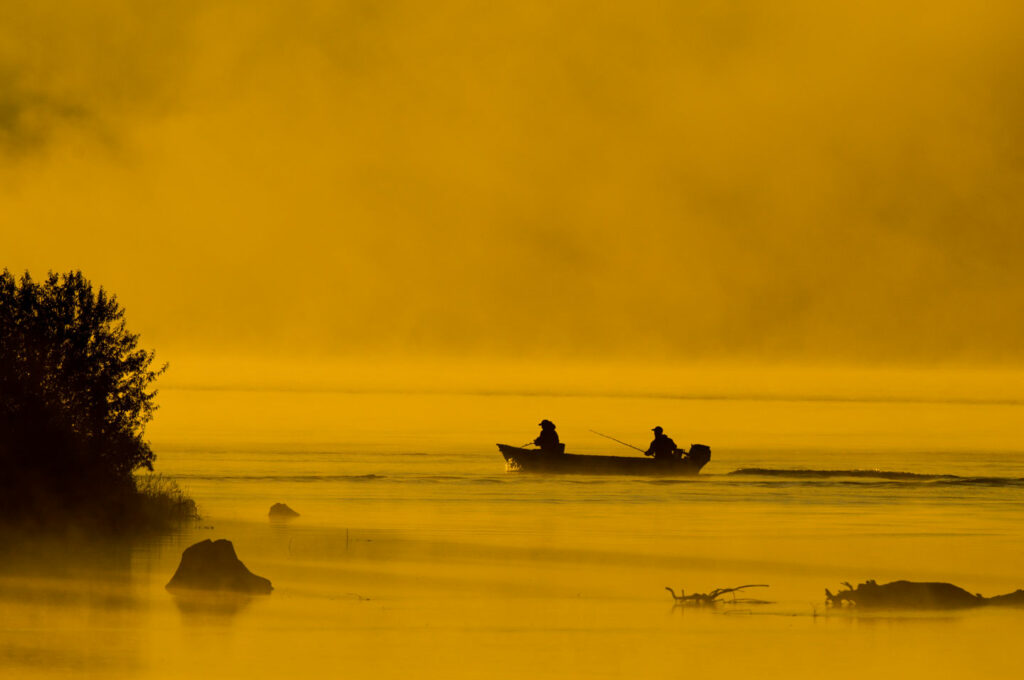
(76,393)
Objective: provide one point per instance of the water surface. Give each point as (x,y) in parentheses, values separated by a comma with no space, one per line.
(418,554)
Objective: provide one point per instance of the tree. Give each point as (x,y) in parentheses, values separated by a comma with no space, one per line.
(76,393)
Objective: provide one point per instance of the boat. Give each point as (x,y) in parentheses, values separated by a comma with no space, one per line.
(535,460)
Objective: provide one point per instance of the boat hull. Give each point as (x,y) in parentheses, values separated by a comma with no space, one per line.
(532,460)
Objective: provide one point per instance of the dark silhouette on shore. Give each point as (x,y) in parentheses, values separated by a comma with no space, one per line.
(662,447)
(76,393)
(548,438)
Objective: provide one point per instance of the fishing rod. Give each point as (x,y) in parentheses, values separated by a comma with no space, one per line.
(620,441)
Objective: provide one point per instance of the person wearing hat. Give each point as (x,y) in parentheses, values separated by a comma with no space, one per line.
(662,448)
(548,439)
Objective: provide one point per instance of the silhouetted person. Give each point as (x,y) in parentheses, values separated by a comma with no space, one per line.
(548,439)
(662,448)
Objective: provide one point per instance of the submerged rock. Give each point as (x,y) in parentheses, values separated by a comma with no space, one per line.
(213,565)
(1014,599)
(281,511)
(915,595)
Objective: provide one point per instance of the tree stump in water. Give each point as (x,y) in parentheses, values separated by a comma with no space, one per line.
(213,565)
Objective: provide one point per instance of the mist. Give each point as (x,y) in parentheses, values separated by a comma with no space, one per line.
(715,180)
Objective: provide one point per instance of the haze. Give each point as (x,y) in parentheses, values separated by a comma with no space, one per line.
(640,181)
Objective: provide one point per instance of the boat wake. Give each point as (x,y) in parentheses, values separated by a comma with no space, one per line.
(887,475)
(279,478)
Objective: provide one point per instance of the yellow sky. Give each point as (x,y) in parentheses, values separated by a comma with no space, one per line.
(638,180)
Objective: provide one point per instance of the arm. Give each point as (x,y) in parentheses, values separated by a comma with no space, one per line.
(546,439)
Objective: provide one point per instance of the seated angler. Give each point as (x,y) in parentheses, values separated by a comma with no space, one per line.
(662,448)
(548,439)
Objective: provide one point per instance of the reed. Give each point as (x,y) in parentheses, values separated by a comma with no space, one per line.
(161,502)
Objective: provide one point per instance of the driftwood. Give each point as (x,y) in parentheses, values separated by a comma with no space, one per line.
(915,595)
(710,599)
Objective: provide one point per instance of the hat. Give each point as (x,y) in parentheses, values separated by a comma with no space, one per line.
(546,422)
(657,429)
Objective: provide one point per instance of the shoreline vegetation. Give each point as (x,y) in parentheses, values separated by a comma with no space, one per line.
(162,503)
(76,393)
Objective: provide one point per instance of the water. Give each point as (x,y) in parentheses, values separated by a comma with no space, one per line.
(417,554)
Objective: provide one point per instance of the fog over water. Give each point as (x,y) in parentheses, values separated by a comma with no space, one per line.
(712,179)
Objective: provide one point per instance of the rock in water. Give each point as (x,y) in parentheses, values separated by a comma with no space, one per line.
(1014,599)
(906,595)
(213,565)
(282,511)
